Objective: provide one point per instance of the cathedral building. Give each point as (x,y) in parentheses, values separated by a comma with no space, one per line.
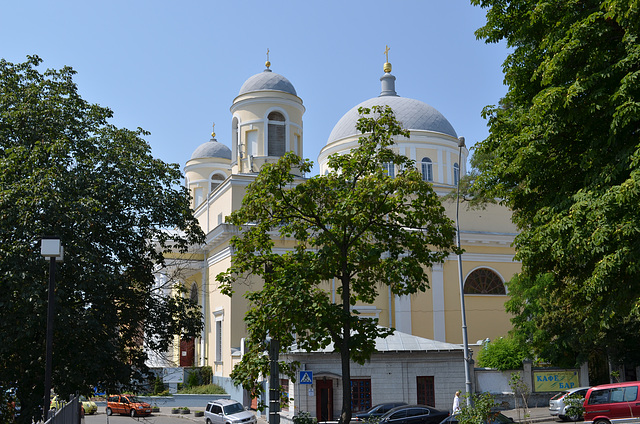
(267,121)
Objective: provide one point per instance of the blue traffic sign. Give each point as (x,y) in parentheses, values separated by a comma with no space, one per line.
(306,377)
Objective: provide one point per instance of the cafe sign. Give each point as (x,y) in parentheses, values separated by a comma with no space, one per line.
(555,381)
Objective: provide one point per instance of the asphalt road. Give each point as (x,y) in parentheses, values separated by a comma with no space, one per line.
(102,418)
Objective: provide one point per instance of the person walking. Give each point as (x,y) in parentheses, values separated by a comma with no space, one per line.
(456,403)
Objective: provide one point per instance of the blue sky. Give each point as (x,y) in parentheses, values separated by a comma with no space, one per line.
(173,67)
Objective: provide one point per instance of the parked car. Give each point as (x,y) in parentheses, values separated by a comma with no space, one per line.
(127,405)
(497,418)
(227,411)
(558,407)
(414,414)
(612,403)
(88,406)
(376,410)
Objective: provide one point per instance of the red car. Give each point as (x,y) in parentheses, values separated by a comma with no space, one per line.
(127,405)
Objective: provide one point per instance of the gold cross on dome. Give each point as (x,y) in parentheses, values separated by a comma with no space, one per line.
(386,52)
(213,130)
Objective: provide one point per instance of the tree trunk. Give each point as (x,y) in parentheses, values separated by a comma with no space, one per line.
(345,350)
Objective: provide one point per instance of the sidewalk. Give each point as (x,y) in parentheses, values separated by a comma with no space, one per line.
(534,415)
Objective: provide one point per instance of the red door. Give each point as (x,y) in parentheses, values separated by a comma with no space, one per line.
(187,352)
(324,400)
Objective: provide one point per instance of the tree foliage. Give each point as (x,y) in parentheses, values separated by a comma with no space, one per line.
(66,172)
(564,154)
(356,226)
(503,353)
(477,408)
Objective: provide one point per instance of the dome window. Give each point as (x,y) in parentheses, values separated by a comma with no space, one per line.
(484,281)
(276,134)
(427,169)
(389,169)
(216,180)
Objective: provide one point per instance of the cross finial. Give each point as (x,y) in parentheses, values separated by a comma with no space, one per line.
(213,130)
(267,63)
(386,52)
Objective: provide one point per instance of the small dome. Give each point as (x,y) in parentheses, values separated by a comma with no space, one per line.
(412,115)
(267,80)
(212,149)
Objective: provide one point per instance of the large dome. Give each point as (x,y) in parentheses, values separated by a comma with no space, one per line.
(212,149)
(412,115)
(267,80)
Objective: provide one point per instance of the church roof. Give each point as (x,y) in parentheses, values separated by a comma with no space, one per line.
(212,149)
(267,80)
(412,114)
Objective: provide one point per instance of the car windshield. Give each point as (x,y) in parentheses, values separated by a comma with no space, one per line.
(558,395)
(134,399)
(234,408)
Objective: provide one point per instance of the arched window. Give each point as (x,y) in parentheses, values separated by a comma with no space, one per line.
(484,281)
(216,179)
(456,174)
(427,169)
(276,134)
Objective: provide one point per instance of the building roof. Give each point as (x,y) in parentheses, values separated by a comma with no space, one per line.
(267,80)
(402,342)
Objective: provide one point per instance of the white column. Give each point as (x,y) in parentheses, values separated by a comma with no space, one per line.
(437,293)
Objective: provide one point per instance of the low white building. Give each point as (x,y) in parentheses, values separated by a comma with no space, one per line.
(405,368)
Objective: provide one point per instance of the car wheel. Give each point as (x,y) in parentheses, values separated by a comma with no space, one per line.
(601,422)
(208,421)
(109,411)
(132,412)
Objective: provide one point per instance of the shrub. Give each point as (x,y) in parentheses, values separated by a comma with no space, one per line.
(207,389)
(504,353)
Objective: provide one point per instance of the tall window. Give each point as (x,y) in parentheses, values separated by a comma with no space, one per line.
(234,140)
(360,394)
(426,391)
(276,137)
(456,173)
(389,169)
(484,281)
(427,169)
(193,295)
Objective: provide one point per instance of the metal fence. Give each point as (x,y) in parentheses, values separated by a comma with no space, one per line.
(68,414)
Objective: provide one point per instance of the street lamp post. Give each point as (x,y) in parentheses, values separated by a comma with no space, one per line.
(465,341)
(52,250)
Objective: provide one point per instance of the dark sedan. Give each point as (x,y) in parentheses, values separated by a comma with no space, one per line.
(414,414)
(377,410)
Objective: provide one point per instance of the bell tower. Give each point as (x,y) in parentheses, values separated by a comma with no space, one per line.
(266,122)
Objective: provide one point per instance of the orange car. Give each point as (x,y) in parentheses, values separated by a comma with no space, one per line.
(127,405)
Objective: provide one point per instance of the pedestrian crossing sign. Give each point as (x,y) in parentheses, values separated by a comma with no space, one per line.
(306,377)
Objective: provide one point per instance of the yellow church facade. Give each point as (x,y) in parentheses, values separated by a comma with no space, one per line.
(267,121)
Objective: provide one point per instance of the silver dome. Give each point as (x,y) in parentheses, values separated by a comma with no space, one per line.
(267,80)
(412,115)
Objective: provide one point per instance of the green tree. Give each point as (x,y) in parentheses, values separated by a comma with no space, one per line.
(65,171)
(356,226)
(503,353)
(563,153)
(477,408)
